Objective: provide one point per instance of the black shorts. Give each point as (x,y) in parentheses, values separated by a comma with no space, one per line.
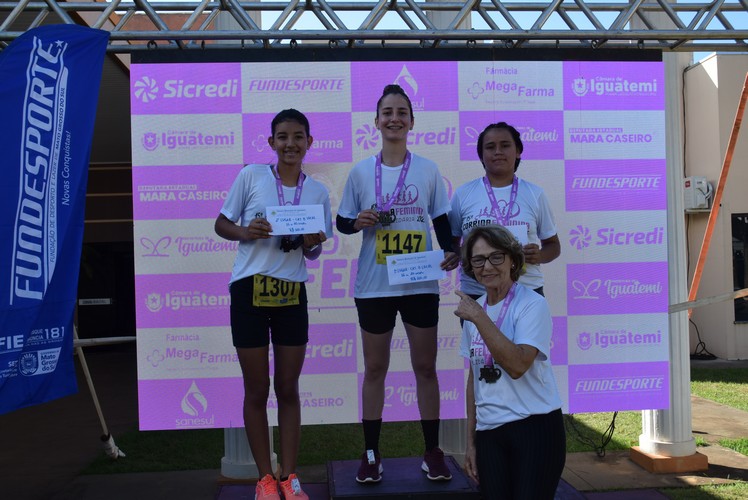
(378,314)
(252,326)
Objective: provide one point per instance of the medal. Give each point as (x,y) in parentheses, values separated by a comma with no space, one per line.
(489,373)
(386,215)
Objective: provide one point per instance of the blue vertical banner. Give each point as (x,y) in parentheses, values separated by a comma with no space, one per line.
(49,88)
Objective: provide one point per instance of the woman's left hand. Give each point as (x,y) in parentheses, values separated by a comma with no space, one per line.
(311,240)
(451,261)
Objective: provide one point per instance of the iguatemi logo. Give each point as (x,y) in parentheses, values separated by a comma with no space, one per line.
(186,246)
(150,141)
(612,86)
(587,290)
(155,249)
(528,134)
(581,237)
(186,139)
(146,89)
(185,300)
(605,339)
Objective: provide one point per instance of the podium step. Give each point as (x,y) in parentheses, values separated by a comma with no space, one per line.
(402,478)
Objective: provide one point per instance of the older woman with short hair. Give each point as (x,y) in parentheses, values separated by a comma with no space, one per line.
(516,440)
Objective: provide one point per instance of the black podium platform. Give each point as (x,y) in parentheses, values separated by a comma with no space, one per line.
(402,478)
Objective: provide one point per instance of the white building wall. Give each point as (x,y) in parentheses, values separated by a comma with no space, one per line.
(712,92)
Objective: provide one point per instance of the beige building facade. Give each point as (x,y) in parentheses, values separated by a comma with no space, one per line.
(712,90)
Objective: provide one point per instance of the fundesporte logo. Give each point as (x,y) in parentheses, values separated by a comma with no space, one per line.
(580,237)
(367,137)
(146,89)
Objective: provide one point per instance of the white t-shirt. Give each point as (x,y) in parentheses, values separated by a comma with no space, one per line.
(527,321)
(471,208)
(253,190)
(423,196)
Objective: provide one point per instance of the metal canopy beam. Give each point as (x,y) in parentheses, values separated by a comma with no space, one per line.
(720,25)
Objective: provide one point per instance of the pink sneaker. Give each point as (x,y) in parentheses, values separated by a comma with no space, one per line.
(267,488)
(291,489)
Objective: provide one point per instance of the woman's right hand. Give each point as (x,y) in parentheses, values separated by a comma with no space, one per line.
(471,466)
(468,309)
(366,218)
(259,229)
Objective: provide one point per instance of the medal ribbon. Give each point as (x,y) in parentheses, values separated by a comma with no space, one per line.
(502,314)
(501,219)
(381,206)
(279,187)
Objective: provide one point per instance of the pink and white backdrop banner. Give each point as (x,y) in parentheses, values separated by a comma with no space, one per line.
(594,136)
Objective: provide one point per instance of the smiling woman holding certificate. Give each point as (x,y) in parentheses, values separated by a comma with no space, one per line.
(268,296)
(391,197)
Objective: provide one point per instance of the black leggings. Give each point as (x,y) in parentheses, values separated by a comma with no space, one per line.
(522,460)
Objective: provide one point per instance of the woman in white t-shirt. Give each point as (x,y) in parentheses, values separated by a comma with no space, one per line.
(268,294)
(501,197)
(516,446)
(393,197)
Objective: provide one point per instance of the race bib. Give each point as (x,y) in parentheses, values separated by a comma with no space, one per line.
(398,242)
(272,292)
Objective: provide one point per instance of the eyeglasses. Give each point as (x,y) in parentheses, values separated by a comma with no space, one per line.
(496,259)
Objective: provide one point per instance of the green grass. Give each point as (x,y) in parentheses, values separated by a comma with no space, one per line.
(203,449)
(725,386)
(732,491)
(739,445)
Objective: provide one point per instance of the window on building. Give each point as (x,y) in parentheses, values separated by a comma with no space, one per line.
(739,275)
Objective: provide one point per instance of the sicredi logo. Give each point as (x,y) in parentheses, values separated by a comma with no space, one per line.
(601,85)
(367,137)
(186,139)
(147,89)
(605,339)
(580,237)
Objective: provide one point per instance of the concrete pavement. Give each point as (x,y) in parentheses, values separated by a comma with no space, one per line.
(44,448)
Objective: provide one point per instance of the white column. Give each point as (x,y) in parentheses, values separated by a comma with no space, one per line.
(452,433)
(669,432)
(238,462)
